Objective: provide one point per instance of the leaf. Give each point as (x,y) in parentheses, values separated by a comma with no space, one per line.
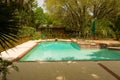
(15,67)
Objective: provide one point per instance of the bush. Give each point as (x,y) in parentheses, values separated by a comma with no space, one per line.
(37,35)
(26,31)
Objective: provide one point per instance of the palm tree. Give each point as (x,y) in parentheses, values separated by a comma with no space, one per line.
(9,26)
(8,31)
(11,15)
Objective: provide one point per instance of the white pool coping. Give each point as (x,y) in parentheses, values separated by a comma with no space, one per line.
(14,52)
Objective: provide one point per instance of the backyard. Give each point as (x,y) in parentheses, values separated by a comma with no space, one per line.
(88,27)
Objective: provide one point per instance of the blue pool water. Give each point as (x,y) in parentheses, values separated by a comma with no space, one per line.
(60,50)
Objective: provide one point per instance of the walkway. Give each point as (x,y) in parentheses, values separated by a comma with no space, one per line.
(76,70)
(19,50)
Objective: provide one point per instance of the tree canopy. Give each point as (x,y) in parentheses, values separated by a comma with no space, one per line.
(78,15)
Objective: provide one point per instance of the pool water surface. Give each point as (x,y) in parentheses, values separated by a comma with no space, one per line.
(61,50)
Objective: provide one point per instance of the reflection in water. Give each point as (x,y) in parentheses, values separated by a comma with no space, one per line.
(75,45)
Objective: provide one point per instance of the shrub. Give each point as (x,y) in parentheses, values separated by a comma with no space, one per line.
(26,31)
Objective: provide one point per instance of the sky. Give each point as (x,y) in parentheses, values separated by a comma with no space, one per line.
(40,3)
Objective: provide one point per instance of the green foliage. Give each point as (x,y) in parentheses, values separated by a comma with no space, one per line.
(78,14)
(39,17)
(30,32)
(48,18)
(8,25)
(5,65)
(116,28)
(26,31)
(12,14)
(34,4)
(104,29)
(37,35)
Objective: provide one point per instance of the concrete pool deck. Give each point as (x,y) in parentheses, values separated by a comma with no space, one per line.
(18,51)
(71,70)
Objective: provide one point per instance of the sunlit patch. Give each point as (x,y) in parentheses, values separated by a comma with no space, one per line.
(95,76)
(60,78)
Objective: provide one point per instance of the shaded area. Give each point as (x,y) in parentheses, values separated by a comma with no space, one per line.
(75,45)
(105,54)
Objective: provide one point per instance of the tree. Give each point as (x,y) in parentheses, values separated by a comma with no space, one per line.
(12,14)
(78,14)
(71,13)
(24,10)
(39,17)
(10,19)
(8,30)
(8,25)
(116,27)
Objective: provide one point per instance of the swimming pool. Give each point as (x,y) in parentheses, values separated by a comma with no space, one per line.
(61,50)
